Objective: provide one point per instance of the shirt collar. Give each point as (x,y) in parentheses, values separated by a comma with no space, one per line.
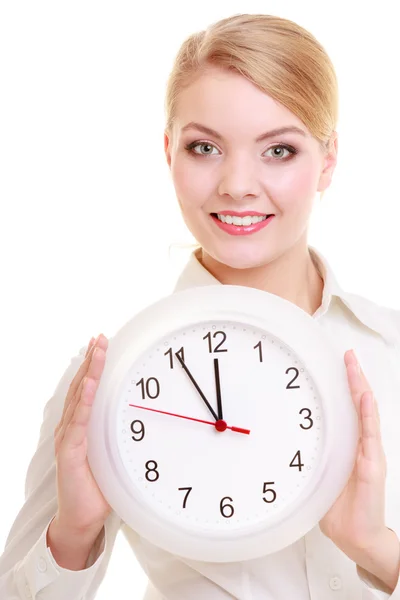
(195,274)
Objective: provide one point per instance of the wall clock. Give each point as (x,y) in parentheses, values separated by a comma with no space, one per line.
(223,427)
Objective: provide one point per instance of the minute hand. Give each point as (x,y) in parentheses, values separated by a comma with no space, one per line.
(192,379)
(218,388)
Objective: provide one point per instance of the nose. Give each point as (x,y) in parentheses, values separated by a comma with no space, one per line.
(239,178)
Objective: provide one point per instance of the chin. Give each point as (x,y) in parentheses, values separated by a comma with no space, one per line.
(236,259)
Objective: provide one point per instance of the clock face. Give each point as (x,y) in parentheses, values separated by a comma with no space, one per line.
(237,462)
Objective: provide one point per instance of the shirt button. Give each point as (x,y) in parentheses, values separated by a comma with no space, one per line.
(335,583)
(42,565)
(28,591)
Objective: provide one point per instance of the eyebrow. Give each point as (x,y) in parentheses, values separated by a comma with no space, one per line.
(260,138)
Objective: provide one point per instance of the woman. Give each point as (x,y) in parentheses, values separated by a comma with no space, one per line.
(250,138)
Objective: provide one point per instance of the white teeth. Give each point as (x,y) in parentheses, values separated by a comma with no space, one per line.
(247,220)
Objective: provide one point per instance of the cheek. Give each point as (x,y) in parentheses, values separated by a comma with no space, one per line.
(294,188)
(300,176)
(191,185)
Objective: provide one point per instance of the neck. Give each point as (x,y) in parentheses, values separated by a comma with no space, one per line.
(292,276)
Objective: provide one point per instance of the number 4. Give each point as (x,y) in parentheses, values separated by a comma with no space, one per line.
(299,464)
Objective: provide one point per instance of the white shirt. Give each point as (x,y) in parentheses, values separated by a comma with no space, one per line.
(311,569)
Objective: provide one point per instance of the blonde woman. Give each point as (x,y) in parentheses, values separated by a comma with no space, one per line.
(250,138)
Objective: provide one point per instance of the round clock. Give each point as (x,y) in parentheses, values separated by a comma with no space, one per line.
(223,427)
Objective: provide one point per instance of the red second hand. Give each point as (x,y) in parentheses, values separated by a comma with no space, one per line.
(219,425)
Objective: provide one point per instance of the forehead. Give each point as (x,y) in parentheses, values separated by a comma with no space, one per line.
(219,98)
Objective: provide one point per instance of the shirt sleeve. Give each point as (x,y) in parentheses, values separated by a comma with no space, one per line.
(371,588)
(27,566)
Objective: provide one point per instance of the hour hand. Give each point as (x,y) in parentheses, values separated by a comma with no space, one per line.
(192,379)
(218,388)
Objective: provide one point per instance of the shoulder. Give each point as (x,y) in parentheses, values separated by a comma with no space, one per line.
(380,317)
(394,315)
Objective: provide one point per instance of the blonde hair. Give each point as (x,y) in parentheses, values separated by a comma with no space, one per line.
(277,55)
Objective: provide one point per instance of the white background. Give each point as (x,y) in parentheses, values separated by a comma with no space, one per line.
(88,210)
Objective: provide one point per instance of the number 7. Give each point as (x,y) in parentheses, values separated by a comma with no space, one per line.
(187,494)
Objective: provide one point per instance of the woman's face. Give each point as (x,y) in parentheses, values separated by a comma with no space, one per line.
(220,164)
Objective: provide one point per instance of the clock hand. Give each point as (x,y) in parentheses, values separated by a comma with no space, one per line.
(210,408)
(218,388)
(219,425)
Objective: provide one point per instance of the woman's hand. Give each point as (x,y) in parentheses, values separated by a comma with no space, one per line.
(82,508)
(356,521)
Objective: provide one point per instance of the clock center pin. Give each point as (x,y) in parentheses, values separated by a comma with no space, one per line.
(220,425)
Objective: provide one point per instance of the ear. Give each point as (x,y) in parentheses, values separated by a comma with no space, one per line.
(167,148)
(329,163)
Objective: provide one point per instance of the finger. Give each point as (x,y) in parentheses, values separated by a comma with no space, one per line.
(356,389)
(94,373)
(73,389)
(357,381)
(377,413)
(63,424)
(351,358)
(100,342)
(76,431)
(90,346)
(68,411)
(371,438)
(80,374)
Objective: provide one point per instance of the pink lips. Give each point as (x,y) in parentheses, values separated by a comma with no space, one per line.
(242,229)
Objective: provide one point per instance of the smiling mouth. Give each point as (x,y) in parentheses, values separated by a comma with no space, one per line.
(240,221)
